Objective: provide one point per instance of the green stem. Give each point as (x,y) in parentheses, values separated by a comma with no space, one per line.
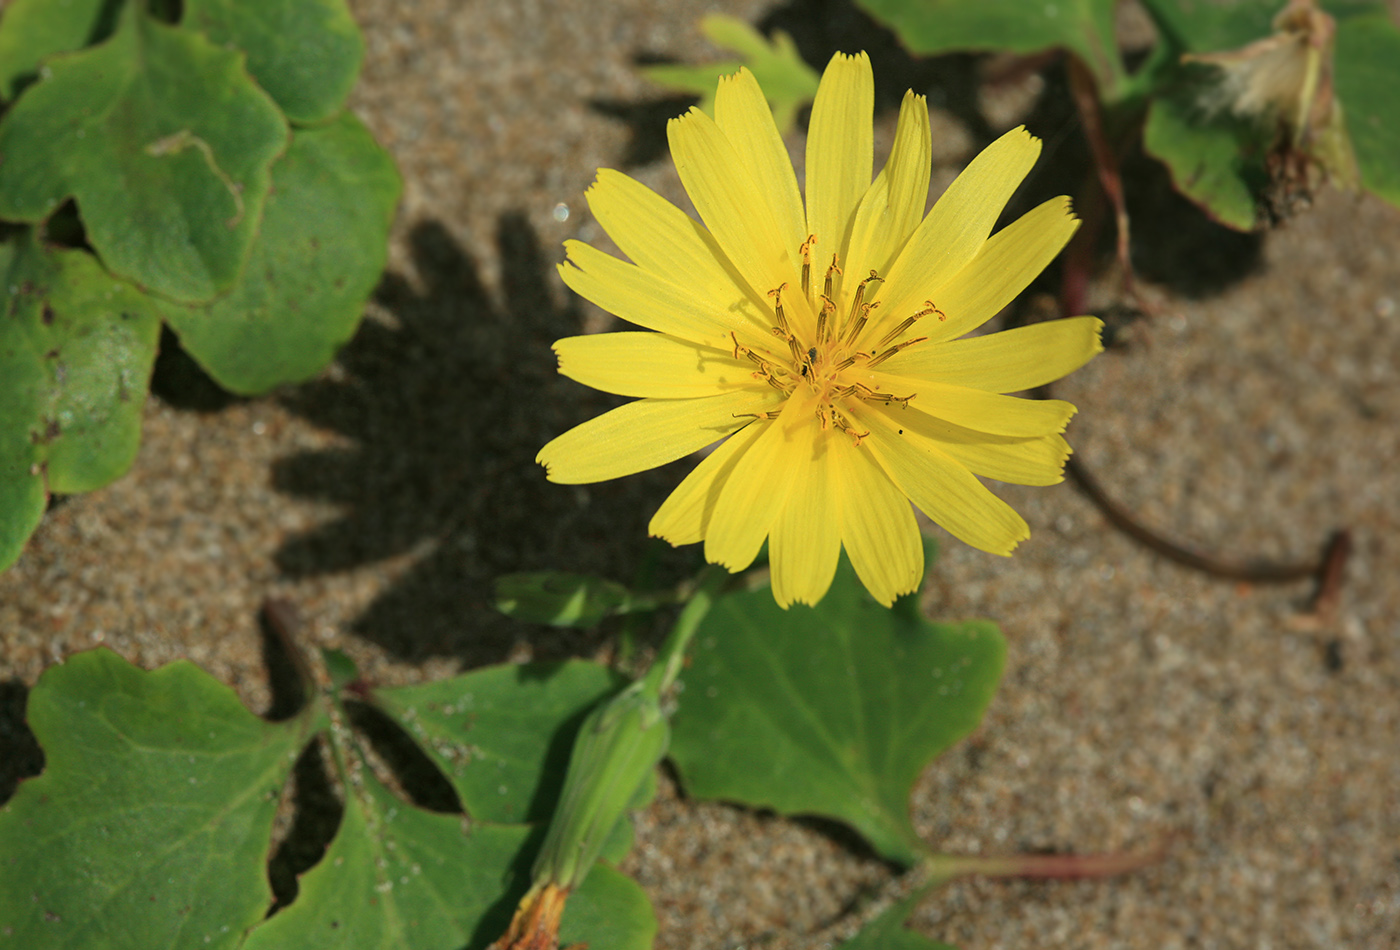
(667,665)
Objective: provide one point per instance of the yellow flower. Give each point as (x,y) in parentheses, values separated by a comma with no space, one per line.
(820,343)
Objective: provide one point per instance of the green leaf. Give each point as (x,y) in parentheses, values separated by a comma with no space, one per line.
(1084,27)
(76,351)
(1219,161)
(887,932)
(786,79)
(1367,75)
(833,710)
(561,599)
(400,878)
(165,143)
(305,53)
(317,256)
(341,669)
(1214,162)
(1201,26)
(32,30)
(502,735)
(150,823)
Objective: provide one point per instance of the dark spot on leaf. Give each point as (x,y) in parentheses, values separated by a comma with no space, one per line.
(339,283)
(51,355)
(315,244)
(27,288)
(335,925)
(128,316)
(47,315)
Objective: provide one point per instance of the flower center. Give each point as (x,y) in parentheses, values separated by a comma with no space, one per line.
(826,370)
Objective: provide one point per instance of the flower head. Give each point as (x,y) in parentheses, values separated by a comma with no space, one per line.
(819,341)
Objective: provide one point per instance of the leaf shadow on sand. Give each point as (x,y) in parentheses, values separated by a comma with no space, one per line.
(444,407)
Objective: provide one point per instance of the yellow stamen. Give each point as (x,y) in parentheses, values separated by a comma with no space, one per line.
(807,264)
(877,360)
(831,272)
(910,321)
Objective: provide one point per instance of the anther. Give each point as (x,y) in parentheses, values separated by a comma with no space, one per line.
(831,272)
(910,321)
(823,323)
(773,414)
(874,395)
(877,360)
(807,264)
(847,428)
(858,324)
(777,294)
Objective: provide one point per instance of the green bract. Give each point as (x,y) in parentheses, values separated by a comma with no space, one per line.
(207,198)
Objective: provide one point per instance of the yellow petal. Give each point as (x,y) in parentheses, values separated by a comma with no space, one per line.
(840,146)
(743,115)
(1036,461)
(755,492)
(1005,266)
(651,364)
(944,490)
(645,434)
(877,525)
(641,297)
(1006,362)
(892,206)
(662,239)
(958,225)
(806,539)
(684,517)
(978,409)
(730,202)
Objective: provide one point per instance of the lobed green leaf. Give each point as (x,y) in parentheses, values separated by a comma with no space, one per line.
(502,735)
(1084,27)
(1215,163)
(833,710)
(33,30)
(76,351)
(317,255)
(305,53)
(150,823)
(400,878)
(1367,75)
(166,145)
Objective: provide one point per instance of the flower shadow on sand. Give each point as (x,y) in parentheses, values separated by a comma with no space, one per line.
(445,413)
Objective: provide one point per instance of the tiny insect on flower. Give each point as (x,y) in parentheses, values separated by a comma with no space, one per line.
(820,341)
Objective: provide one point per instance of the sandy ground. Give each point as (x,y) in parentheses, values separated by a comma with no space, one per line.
(1252,415)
